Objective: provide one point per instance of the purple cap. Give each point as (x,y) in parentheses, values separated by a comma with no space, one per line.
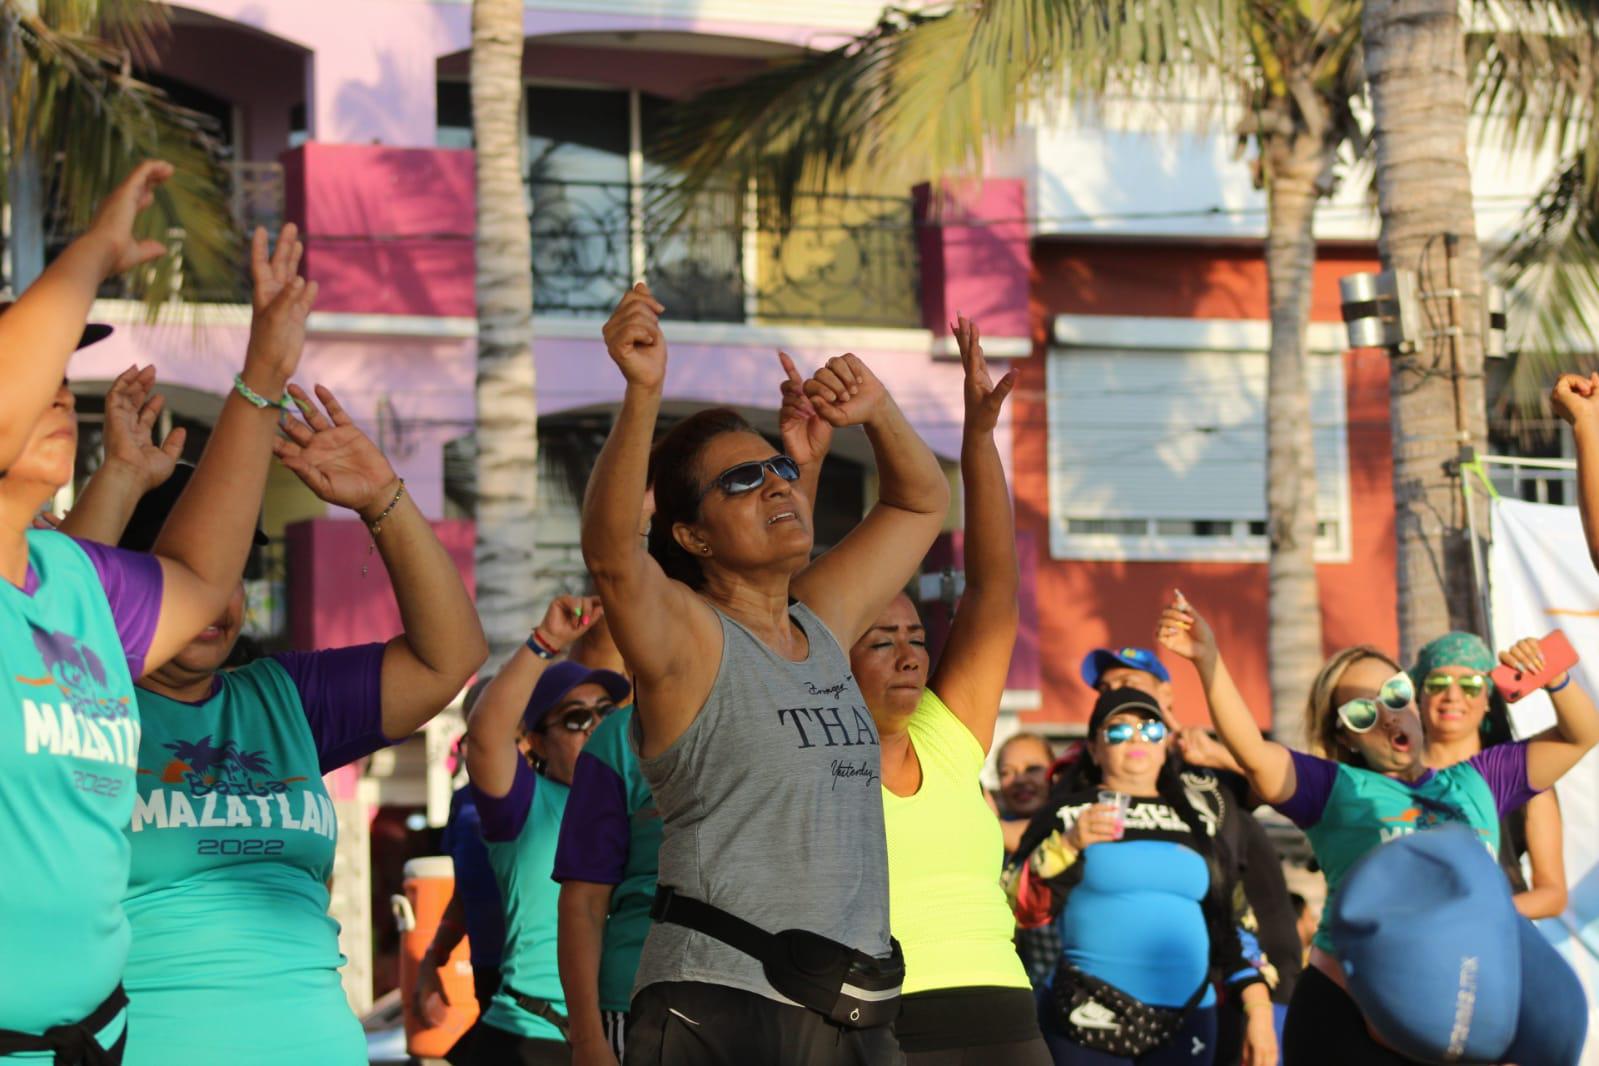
(561,678)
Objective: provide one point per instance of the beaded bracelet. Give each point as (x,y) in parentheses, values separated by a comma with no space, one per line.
(255,399)
(376,525)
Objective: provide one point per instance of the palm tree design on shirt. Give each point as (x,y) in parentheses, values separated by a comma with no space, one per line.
(207,761)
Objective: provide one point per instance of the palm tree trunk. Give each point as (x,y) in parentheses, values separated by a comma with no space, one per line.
(1415,64)
(1293,601)
(507,415)
(24,185)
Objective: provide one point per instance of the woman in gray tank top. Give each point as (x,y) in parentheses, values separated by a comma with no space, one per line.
(754,737)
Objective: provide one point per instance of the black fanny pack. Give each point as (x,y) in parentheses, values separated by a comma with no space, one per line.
(848,987)
(1099,1016)
(74,1044)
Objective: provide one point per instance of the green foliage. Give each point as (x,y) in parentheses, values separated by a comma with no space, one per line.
(71,96)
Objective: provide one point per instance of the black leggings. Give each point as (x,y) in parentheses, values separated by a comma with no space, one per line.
(1325,1028)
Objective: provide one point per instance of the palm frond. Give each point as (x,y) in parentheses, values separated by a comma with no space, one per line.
(1551,273)
(75,101)
(926,92)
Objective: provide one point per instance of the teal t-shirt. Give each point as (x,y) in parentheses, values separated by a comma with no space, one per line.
(520,831)
(611,835)
(72,639)
(1346,811)
(235,957)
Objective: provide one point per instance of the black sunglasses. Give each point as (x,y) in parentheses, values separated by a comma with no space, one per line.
(578,719)
(747,477)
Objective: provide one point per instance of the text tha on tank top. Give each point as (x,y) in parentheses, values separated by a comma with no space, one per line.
(772,809)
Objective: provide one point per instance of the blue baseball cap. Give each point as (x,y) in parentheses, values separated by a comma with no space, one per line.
(1441,964)
(1101,659)
(560,679)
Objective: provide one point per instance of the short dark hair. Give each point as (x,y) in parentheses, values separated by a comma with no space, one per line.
(674,463)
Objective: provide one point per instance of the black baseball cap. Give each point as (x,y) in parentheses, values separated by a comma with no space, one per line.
(1123,701)
(93,332)
(151,513)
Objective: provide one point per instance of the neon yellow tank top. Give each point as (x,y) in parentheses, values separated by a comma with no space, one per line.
(945,851)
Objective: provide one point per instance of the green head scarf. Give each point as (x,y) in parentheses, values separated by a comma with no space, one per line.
(1452,649)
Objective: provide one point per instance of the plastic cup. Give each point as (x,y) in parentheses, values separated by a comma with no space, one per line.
(1119,800)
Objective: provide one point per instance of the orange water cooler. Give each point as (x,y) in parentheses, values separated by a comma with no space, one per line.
(429,884)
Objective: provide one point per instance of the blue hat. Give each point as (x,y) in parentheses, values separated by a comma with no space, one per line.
(1441,964)
(563,677)
(1101,659)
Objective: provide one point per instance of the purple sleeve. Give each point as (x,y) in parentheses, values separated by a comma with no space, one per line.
(595,830)
(133,585)
(1313,785)
(1504,767)
(342,693)
(502,817)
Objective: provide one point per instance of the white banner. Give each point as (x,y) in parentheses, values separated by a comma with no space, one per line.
(1541,579)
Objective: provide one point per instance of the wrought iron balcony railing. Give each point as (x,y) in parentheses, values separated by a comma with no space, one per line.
(846,260)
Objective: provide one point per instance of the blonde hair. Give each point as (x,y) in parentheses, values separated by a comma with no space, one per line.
(1321,712)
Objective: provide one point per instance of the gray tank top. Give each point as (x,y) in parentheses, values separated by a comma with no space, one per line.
(772,809)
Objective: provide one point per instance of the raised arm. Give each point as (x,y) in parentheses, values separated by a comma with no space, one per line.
(659,625)
(134,463)
(850,585)
(495,721)
(1576,400)
(1553,752)
(442,641)
(807,436)
(971,673)
(207,538)
(39,333)
(1267,764)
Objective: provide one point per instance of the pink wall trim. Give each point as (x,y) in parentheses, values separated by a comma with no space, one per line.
(331,604)
(976,255)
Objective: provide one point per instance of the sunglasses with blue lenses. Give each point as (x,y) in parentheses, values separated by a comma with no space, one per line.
(1359,715)
(747,477)
(1122,732)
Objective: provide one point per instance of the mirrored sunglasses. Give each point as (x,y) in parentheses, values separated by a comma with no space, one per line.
(1471,685)
(1122,732)
(747,477)
(577,720)
(1360,715)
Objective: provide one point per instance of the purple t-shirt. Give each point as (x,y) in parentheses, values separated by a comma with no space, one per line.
(341,690)
(133,586)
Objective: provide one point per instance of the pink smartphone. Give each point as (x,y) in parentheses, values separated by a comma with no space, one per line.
(1558,657)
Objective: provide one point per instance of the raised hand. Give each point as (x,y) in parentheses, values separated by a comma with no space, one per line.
(1576,397)
(634,340)
(1184,632)
(113,221)
(806,434)
(567,618)
(334,458)
(282,301)
(983,397)
(845,392)
(1524,656)
(131,409)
